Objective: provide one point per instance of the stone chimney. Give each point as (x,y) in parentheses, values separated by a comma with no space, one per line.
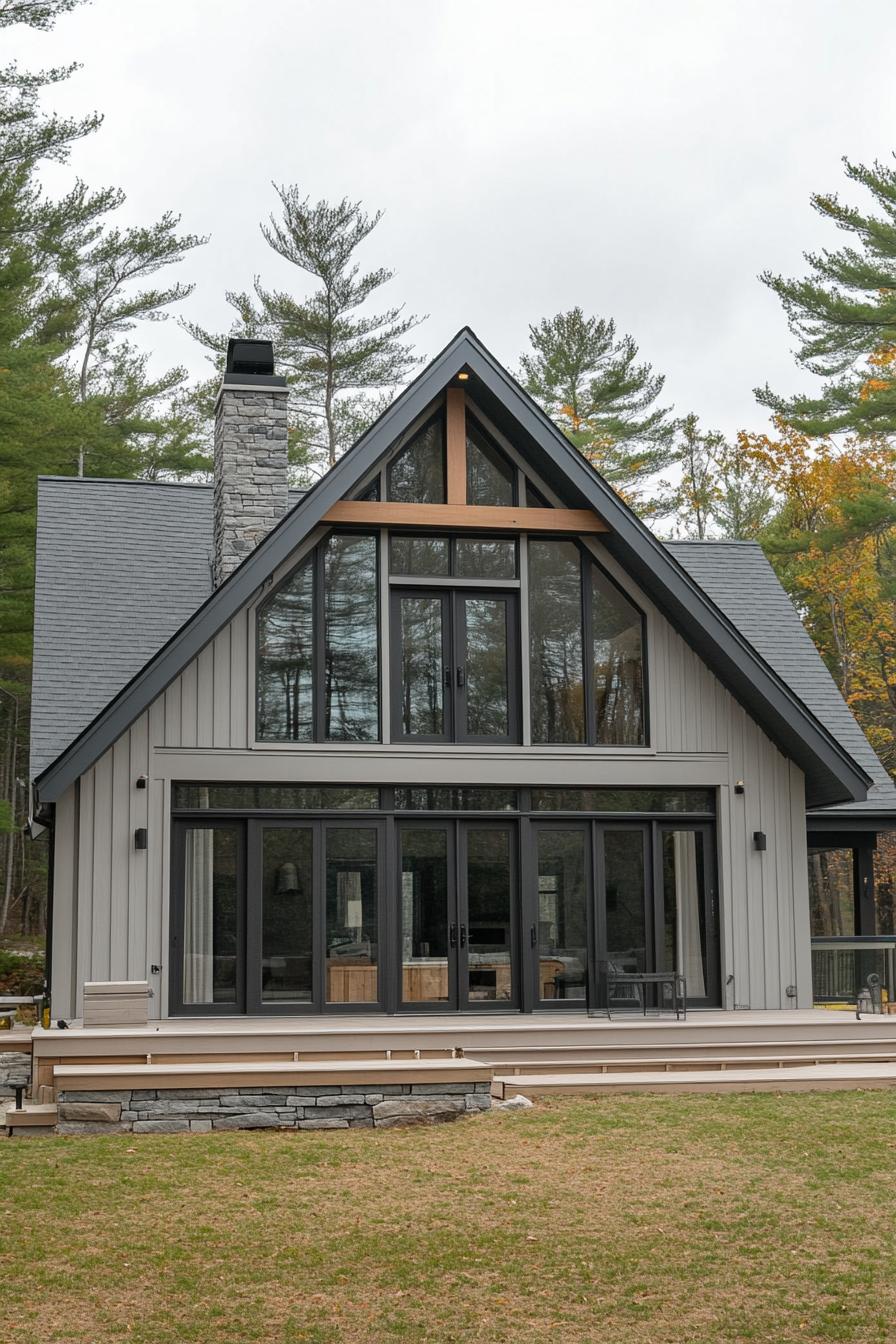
(251,482)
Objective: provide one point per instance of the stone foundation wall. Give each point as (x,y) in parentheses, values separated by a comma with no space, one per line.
(202,1109)
(15,1068)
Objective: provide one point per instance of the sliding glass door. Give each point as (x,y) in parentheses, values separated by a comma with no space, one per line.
(274,916)
(635,897)
(457,915)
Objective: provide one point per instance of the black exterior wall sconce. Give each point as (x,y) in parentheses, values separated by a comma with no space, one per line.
(140,838)
(141,782)
(759,840)
(740,786)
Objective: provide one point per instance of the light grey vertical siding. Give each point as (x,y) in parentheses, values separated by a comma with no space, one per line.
(65,903)
(117,900)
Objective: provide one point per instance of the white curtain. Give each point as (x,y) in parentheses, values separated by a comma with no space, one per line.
(689,952)
(199,873)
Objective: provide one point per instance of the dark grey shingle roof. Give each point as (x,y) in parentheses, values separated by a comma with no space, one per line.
(121,565)
(740,580)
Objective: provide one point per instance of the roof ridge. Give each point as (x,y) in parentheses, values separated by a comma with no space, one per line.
(125,480)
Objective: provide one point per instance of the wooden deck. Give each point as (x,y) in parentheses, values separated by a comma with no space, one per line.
(535,1053)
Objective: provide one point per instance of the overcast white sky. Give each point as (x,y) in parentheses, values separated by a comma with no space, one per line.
(645,159)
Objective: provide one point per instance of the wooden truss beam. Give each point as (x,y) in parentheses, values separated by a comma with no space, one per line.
(467,517)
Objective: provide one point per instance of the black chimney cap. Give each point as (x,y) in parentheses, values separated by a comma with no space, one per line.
(247,356)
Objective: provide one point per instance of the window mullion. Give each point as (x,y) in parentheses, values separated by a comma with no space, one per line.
(587,650)
(319,655)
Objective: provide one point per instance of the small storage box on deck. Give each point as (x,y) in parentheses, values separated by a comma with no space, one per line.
(116,1003)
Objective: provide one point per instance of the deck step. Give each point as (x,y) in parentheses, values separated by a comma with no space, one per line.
(278,1073)
(31,1116)
(799,1078)
(674,1063)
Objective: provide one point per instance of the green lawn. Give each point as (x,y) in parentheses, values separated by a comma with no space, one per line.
(623,1219)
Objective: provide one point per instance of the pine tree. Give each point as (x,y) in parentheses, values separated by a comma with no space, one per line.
(844,316)
(340,361)
(592,384)
(104,287)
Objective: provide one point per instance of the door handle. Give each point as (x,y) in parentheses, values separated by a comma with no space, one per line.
(448,677)
(533,936)
(463,935)
(452,936)
(461,676)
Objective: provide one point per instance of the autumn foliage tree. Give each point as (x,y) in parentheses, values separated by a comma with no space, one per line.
(832,541)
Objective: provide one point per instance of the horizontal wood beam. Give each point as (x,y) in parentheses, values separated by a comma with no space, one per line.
(474,517)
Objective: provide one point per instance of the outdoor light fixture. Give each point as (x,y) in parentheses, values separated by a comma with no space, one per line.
(140,837)
(740,786)
(141,782)
(759,841)
(463,377)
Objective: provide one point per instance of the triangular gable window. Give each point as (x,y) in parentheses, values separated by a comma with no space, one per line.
(417,474)
(490,477)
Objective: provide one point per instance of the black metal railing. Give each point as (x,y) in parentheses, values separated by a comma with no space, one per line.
(841,967)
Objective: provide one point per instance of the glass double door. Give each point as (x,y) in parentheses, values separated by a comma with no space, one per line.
(633,898)
(455,662)
(457,915)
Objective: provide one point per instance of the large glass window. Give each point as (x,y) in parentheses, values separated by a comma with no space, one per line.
(555,641)
(832,898)
(351,653)
(286,660)
(317,668)
(617,664)
(571,625)
(417,474)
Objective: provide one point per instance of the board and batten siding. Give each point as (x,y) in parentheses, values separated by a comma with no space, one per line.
(111,900)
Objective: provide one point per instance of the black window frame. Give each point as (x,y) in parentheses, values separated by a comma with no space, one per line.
(586,559)
(386,819)
(451,598)
(316,559)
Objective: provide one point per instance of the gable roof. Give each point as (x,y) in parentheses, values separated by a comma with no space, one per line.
(831,773)
(740,580)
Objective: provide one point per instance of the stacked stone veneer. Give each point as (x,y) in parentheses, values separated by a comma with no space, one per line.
(15,1068)
(200,1109)
(251,490)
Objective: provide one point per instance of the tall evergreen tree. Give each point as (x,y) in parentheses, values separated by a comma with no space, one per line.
(104,286)
(591,382)
(340,360)
(844,316)
(48,250)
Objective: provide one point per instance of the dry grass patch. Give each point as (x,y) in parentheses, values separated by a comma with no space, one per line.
(646,1219)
